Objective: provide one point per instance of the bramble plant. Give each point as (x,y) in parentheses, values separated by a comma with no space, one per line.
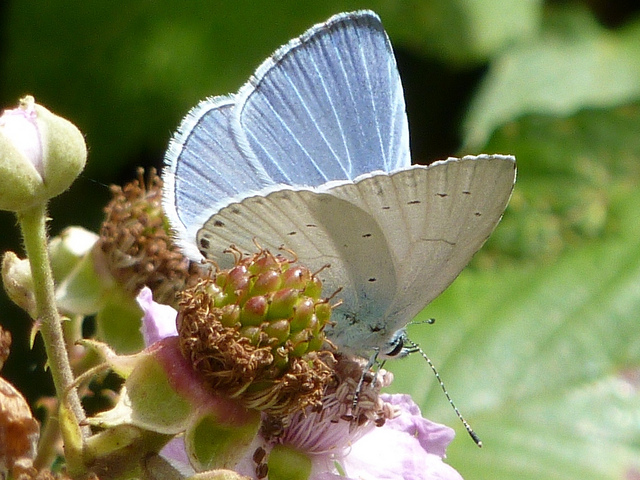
(240,381)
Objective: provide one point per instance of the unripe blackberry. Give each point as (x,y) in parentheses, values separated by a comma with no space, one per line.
(256,333)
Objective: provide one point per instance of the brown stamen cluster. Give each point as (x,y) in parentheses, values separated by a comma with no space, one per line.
(136,243)
(256,333)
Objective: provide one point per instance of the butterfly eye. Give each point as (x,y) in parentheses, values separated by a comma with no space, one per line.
(397,347)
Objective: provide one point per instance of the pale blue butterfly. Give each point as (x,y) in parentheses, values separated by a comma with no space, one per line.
(312,153)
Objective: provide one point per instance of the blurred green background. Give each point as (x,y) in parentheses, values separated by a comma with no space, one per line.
(538,340)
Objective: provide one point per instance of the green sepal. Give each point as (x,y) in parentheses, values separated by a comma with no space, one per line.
(213,442)
(118,322)
(286,463)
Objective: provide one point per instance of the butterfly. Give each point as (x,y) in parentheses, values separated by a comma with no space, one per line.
(312,154)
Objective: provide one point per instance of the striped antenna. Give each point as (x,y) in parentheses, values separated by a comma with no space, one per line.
(415,348)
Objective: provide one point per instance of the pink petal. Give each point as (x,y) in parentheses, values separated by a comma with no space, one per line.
(159,320)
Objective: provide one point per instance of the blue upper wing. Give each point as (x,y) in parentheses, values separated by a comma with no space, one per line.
(326,106)
(205,170)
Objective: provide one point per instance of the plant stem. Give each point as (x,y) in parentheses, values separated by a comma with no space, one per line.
(33,226)
(49,435)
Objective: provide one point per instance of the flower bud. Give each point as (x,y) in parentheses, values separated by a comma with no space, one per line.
(17,281)
(41,154)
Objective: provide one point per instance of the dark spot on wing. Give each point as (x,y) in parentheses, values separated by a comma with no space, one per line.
(259,454)
(292,233)
(372,279)
(218,223)
(478,214)
(386,208)
(262,471)
(413,202)
(442,195)
(466,192)
(235,210)
(366,235)
(311,225)
(204,243)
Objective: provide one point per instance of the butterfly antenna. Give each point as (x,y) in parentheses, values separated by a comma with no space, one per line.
(415,348)
(429,321)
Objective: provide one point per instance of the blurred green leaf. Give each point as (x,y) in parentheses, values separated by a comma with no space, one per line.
(570,170)
(460,32)
(574,64)
(549,375)
(127,73)
(542,354)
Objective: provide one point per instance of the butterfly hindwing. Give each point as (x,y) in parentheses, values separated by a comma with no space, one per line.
(393,241)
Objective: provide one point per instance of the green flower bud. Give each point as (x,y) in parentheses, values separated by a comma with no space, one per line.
(302,314)
(266,282)
(278,330)
(254,311)
(17,281)
(230,315)
(283,303)
(41,154)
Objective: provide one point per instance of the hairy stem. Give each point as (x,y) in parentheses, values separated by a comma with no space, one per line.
(33,226)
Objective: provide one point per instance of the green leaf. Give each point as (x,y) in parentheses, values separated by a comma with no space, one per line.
(540,347)
(574,64)
(570,170)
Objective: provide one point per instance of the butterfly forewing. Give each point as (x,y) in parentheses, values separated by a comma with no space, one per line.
(312,154)
(327,106)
